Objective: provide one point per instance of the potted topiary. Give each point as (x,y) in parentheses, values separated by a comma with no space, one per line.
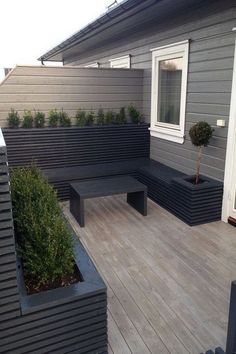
(198,198)
(200,134)
(61,297)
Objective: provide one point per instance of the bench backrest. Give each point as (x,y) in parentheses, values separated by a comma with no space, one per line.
(75,146)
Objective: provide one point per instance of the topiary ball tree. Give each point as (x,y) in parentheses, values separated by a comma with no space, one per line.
(200,134)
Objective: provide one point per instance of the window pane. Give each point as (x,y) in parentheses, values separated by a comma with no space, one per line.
(170,77)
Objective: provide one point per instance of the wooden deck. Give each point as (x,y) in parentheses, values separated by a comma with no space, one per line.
(168,283)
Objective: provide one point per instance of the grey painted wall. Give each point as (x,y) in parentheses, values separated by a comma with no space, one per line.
(44,88)
(209,28)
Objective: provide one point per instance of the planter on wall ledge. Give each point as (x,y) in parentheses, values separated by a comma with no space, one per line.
(62,320)
(197,203)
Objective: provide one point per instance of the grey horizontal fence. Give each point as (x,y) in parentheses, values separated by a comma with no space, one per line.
(64,147)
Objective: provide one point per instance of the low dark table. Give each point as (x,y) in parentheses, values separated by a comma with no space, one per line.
(79,191)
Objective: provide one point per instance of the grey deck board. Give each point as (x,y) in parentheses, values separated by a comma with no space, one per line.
(168,283)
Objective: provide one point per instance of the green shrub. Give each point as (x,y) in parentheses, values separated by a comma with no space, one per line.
(134,114)
(80,118)
(200,134)
(64,119)
(27,120)
(13,119)
(109,117)
(39,119)
(90,118)
(100,117)
(53,118)
(121,117)
(45,244)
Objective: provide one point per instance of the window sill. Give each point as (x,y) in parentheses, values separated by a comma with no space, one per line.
(167,134)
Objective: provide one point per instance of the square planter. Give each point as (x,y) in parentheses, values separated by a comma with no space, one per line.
(197,204)
(72,319)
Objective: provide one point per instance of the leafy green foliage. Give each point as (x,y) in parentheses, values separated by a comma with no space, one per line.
(109,117)
(134,114)
(200,133)
(27,120)
(13,119)
(64,119)
(45,243)
(121,117)
(39,119)
(100,117)
(80,118)
(54,118)
(90,118)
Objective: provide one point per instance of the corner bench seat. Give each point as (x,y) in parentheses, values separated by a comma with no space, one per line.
(61,177)
(159,179)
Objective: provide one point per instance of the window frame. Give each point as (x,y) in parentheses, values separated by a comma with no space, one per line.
(167,131)
(123,62)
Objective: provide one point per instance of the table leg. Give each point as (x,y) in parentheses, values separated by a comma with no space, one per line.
(138,200)
(77,207)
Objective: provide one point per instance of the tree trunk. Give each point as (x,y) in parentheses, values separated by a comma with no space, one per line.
(199,158)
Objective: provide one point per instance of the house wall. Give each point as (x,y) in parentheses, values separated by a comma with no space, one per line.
(212,41)
(45,88)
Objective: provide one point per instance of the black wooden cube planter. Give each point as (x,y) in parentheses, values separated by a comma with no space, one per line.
(197,204)
(72,319)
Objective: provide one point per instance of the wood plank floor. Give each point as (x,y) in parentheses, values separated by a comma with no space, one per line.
(168,283)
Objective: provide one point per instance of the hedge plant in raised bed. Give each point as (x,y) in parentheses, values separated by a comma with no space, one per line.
(109,117)
(100,117)
(200,134)
(53,118)
(13,119)
(39,119)
(120,117)
(80,118)
(45,243)
(134,114)
(27,120)
(90,118)
(64,119)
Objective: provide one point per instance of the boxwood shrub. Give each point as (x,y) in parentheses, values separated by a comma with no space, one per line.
(45,243)
(27,120)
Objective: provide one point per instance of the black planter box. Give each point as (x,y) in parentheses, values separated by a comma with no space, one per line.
(63,320)
(197,204)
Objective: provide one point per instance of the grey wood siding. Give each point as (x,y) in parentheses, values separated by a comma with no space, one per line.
(9,295)
(44,88)
(212,43)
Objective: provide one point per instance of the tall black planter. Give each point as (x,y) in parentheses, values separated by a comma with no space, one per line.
(197,204)
(62,320)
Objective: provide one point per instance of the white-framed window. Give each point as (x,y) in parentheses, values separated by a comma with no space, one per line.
(169,90)
(121,62)
(92,65)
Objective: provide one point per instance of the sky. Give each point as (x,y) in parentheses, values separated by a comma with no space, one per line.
(29,28)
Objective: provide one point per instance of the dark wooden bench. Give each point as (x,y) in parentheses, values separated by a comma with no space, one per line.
(79,191)
(61,177)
